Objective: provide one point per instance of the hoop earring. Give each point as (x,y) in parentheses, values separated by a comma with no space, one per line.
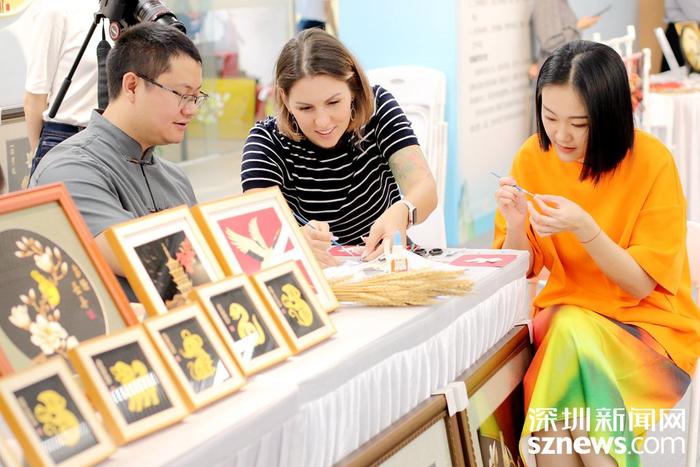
(294,125)
(352,111)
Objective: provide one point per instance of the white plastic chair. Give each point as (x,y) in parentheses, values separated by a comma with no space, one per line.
(658,118)
(666,49)
(422,125)
(421,93)
(693,244)
(414,85)
(624,45)
(431,233)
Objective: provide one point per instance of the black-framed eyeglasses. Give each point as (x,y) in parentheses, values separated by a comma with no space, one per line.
(185,99)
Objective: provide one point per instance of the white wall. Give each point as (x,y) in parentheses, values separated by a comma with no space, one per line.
(494,103)
(14,41)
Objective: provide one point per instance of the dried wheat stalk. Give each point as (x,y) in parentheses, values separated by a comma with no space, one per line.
(419,287)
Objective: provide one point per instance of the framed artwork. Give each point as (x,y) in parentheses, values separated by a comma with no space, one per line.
(198,360)
(51,417)
(256,231)
(164,256)
(55,287)
(492,423)
(15,152)
(19,162)
(294,305)
(129,384)
(244,322)
(426,435)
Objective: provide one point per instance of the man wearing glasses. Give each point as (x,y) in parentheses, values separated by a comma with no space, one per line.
(154,77)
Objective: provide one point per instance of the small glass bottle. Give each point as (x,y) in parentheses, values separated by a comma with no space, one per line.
(397,259)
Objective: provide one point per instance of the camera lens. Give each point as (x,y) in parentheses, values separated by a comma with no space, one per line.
(155,10)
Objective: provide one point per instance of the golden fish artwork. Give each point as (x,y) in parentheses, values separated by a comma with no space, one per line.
(132,378)
(298,308)
(200,365)
(56,420)
(244,325)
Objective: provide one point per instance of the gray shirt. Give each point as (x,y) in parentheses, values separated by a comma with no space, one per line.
(108,179)
(682,10)
(555,25)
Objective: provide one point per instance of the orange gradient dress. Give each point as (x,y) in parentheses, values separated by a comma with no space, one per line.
(598,348)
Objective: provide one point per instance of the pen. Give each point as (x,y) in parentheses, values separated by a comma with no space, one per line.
(304,222)
(516,186)
(600,13)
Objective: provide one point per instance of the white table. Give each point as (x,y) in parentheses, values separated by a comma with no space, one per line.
(681,112)
(316,408)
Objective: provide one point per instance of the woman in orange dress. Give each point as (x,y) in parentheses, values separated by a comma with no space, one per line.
(616,330)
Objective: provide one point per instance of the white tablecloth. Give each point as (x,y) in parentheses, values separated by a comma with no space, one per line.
(319,406)
(682,112)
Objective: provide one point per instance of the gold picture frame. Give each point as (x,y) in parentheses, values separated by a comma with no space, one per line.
(300,317)
(163,256)
(56,288)
(51,417)
(492,423)
(128,383)
(255,231)
(7,457)
(244,323)
(426,435)
(198,360)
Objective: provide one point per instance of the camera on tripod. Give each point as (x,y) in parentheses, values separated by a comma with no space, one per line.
(125,13)
(121,14)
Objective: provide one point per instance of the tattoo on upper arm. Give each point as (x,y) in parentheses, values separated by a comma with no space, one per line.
(407,165)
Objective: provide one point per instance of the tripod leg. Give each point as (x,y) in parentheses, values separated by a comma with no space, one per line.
(66,82)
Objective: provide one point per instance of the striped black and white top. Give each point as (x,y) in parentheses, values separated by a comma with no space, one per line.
(348,186)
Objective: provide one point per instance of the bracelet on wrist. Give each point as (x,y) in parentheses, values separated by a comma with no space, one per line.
(600,229)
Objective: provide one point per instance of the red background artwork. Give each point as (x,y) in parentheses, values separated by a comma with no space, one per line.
(270,228)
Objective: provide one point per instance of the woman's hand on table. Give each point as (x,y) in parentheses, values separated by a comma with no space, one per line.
(512,203)
(395,218)
(556,214)
(318,235)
